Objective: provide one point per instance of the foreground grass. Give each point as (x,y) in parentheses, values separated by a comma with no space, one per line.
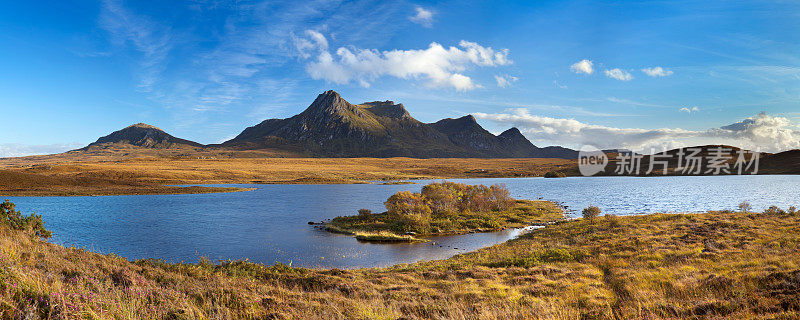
(660,266)
(521,214)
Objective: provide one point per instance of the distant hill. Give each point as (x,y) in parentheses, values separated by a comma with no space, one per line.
(141,135)
(333,127)
(677,161)
(786,162)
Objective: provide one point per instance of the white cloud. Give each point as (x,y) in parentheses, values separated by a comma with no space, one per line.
(442,67)
(576,133)
(562,86)
(21,150)
(689,110)
(583,66)
(618,74)
(657,72)
(505,81)
(318,38)
(762,131)
(422,16)
(314,40)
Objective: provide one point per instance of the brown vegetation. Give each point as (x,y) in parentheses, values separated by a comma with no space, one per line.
(115,175)
(25,183)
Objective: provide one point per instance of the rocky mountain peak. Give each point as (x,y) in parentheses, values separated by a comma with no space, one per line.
(387,109)
(512,133)
(462,124)
(468,121)
(141,125)
(330,105)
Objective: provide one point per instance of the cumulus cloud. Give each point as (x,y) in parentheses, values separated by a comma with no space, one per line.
(21,150)
(762,131)
(618,74)
(583,66)
(576,133)
(422,16)
(765,131)
(657,72)
(505,81)
(689,110)
(442,67)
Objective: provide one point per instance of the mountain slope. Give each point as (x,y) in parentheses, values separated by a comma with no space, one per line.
(143,136)
(786,162)
(333,127)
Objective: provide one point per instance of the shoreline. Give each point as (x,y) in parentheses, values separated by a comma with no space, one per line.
(156,190)
(143,192)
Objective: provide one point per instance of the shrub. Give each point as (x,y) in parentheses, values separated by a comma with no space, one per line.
(15,220)
(411,223)
(745,207)
(500,197)
(407,203)
(774,210)
(364,212)
(442,198)
(448,197)
(792,210)
(555,174)
(591,212)
(475,198)
(613,220)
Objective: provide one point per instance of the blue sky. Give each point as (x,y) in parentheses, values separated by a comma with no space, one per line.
(613,74)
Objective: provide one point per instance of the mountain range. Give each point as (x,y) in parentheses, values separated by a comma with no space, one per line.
(333,127)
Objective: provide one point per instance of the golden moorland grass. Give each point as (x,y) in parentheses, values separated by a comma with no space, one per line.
(711,265)
(115,175)
(22,183)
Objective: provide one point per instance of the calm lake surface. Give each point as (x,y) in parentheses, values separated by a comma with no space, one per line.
(270,224)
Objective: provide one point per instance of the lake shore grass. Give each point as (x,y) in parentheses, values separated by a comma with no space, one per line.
(714,265)
(385,236)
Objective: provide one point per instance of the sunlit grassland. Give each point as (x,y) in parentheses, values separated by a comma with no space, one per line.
(660,266)
(66,175)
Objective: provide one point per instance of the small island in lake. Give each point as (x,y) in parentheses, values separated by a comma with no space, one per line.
(445,208)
